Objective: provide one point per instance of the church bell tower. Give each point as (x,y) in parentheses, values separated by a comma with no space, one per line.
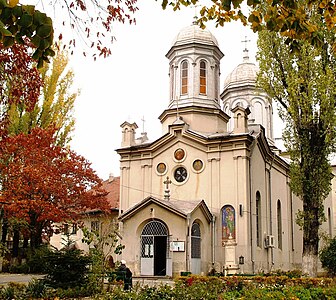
(194,74)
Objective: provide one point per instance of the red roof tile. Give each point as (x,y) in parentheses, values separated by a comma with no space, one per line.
(112,187)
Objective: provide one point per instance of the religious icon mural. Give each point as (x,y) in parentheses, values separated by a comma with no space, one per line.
(228,223)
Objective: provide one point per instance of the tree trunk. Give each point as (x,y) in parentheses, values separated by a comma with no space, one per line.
(4,231)
(16,240)
(309,263)
(36,237)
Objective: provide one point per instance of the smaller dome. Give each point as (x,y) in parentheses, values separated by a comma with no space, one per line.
(244,73)
(195,34)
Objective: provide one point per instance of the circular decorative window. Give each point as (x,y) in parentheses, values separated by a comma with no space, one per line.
(198,165)
(180,174)
(161,168)
(179,154)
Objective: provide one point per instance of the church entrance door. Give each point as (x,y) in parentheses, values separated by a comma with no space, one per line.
(154,241)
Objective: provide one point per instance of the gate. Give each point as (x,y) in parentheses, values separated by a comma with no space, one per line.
(155,258)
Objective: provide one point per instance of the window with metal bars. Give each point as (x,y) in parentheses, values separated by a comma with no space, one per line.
(195,241)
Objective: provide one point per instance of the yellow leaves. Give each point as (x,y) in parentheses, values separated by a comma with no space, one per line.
(12,3)
(323,4)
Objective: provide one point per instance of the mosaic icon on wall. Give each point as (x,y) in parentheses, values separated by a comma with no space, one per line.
(161,168)
(198,165)
(179,154)
(228,223)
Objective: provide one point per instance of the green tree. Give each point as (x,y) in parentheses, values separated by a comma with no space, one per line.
(103,244)
(90,20)
(55,105)
(328,256)
(304,84)
(18,22)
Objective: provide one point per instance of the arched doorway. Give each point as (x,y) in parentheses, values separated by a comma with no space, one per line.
(154,241)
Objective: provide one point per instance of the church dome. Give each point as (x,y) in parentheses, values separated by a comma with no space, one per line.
(195,34)
(244,73)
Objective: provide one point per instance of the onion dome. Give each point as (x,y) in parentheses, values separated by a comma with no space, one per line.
(245,74)
(195,34)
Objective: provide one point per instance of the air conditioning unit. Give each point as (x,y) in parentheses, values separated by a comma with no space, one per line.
(269,241)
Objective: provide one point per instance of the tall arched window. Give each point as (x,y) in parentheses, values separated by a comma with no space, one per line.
(172,79)
(279,223)
(258,219)
(184,78)
(203,77)
(195,240)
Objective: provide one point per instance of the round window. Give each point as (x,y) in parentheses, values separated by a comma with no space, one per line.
(180,174)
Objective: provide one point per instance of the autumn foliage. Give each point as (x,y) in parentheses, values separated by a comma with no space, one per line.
(20,81)
(43,183)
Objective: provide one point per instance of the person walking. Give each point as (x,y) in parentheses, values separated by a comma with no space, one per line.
(127,274)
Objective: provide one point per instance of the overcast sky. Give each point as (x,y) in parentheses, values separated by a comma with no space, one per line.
(133,82)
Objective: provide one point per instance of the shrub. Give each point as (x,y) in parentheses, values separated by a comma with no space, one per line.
(36,288)
(19,269)
(67,268)
(37,260)
(328,257)
(13,291)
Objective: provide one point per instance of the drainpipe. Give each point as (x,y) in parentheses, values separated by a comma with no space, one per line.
(213,257)
(251,209)
(188,243)
(270,204)
(251,220)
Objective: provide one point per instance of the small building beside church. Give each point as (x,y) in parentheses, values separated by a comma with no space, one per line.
(212,193)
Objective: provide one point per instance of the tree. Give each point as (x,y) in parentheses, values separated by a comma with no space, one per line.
(292,19)
(328,256)
(43,183)
(20,81)
(18,22)
(91,20)
(55,105)
(304,84)
(103,244)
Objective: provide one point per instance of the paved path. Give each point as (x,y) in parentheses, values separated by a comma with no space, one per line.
(6,278)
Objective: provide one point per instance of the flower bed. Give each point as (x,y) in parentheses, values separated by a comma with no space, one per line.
(198,288)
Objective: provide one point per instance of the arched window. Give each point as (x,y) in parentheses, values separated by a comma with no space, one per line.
(203,81)
(184,78)
(279,223)
(228,223)
(258,219)
(172,79)
(195,241)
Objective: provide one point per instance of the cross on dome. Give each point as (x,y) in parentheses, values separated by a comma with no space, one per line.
(195,14)
(246,56)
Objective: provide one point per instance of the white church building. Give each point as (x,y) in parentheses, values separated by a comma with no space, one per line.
(213,191)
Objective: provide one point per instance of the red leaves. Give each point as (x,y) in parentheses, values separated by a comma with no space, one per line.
(95,19)
(45,183)
(18,69)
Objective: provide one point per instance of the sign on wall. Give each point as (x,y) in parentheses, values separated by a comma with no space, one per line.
(177,246)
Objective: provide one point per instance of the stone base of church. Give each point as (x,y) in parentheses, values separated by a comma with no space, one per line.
(230,269)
